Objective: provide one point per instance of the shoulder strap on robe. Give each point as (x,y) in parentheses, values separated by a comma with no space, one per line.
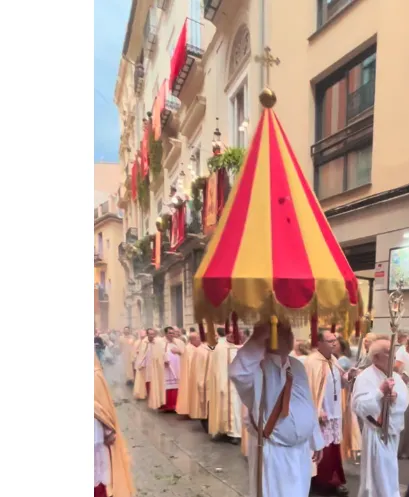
(281,408)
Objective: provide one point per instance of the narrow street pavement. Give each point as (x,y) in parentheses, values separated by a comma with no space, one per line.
(174,457)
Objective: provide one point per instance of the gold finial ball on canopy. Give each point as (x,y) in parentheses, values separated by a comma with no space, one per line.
(267,98)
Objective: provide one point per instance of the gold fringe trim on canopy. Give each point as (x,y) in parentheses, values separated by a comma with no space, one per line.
(345,312)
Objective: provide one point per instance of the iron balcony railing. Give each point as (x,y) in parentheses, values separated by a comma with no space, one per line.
(150,31)
(361,99)
(172,105)
(194,38)
(139,76)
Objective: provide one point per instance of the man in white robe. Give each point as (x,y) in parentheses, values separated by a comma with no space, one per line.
(287,442)
(379,462)
(225,408)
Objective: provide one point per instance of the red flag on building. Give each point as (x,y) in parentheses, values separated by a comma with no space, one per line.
(179,56)
(178,228)
(210,213)
(156,252)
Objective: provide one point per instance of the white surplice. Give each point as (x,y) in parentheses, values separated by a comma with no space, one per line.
(379,462)
(172,370)
(287,453)
(102,458)
(331,405)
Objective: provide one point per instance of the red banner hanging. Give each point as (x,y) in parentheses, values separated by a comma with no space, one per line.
(156,252)
(178,228)
(210,212)
(145,152)
(179,56)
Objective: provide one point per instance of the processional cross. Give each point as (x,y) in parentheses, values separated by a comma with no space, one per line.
(267,96)
(267,60)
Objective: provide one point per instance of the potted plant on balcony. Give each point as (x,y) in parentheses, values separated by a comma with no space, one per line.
(231,160)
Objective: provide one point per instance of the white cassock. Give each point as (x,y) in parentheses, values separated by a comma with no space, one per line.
(379,462)
(287,462)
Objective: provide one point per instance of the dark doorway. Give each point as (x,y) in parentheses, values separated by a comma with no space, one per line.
(176,295)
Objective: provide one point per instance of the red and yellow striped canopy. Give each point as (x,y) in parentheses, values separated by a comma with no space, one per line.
(273,252)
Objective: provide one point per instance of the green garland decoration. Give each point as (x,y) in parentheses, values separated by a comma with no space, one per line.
(231,160)
(196,188)
(143,192)
(155,155)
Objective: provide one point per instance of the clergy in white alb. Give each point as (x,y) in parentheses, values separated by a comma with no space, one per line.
(224,402)
(379,462)
(326,380)
(291,431)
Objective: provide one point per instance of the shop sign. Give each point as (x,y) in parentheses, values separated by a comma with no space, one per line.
(380,273)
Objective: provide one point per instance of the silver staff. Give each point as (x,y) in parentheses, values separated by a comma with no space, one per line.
(396,310)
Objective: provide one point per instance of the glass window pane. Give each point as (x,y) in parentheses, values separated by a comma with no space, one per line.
(331,178)
(359,168)
(334,109)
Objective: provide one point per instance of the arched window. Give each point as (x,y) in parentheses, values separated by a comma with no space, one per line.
(240,49)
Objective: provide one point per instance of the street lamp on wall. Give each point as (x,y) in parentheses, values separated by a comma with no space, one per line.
(192,166)
(216,142)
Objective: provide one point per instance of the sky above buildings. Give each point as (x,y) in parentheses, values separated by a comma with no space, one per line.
(110,21)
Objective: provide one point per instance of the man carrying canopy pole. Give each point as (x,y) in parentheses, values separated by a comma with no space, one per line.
(272,382)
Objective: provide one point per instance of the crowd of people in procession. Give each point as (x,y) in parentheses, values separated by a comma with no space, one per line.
(321,405)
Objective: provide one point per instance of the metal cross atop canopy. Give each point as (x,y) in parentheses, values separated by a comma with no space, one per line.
(267,60)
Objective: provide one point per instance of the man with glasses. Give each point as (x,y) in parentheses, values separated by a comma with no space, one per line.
(326,379)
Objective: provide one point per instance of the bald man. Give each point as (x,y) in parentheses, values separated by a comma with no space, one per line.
(379,462)
(364,361)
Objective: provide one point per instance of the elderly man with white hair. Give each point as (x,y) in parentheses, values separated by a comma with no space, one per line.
(379,462)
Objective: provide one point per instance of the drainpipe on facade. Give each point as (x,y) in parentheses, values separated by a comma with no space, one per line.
(262,40)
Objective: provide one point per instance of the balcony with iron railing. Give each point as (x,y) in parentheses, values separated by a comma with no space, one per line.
(150,32)
(361,100)
(172,105)
(188,49)
(356,135)
(139,77)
